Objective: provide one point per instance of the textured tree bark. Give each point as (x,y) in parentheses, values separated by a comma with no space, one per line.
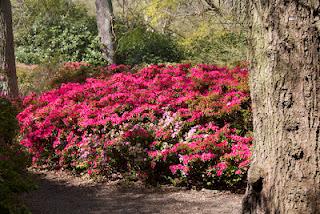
(8,77)
(105,20)
(284,176)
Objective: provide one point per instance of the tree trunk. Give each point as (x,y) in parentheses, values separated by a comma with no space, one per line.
(285,173)
(105,20)
(8,77)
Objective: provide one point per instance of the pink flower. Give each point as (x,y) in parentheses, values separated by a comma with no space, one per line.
(171,111)
(153,154)
(175,168)
(238,172)
(207,156)
(220,167)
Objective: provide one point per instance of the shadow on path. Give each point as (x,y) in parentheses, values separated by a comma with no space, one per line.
(55,196)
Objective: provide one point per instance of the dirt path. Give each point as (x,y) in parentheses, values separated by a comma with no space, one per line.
(62,194)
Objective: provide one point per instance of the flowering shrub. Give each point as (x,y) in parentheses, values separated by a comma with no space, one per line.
(178,123)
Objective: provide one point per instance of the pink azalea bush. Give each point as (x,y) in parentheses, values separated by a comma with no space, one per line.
(163,123)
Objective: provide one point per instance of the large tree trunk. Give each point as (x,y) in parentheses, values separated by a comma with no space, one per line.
(285,173)
(8,77)
(105,20)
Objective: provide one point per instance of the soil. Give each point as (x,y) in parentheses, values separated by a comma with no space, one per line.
(62,193)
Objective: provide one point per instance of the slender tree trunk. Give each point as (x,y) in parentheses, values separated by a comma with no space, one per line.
(8,77)
(284,177)
(105,20)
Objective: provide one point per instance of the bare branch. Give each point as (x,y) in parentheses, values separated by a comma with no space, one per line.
(213,7)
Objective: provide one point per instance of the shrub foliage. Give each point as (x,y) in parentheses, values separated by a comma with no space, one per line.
(58,30)
(187,125)
(140,45)
(50,31)
(13,161)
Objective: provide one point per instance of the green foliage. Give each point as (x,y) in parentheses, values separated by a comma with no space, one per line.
(216,46)
(56,30)
(155,9)
(61,31)
(13,179)
(208,35)
(50,31)
(13,162)
(8,123)
(143,46)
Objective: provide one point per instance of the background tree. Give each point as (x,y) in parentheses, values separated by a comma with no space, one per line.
(8,77)
(210,31)
(105,19)
(285,81)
